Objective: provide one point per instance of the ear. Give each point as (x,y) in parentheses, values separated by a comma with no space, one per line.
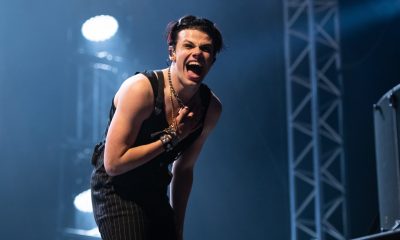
(171,52)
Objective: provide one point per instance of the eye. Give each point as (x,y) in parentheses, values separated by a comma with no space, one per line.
(207,48)
(187,45)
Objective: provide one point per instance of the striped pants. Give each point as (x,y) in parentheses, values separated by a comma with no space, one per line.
(120,218)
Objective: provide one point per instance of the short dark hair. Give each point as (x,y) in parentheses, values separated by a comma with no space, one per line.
(193,22)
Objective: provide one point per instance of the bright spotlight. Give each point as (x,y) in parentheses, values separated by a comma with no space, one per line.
(99,28)
(83,202)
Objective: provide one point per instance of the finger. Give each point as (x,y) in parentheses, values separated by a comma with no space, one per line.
(183,109)
(190,115)
(183,112)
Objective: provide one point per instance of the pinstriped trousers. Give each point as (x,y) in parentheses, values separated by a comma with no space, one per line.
(119,218)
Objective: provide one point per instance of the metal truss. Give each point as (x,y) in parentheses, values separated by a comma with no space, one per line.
(98,76)
(314,118)
(98,79)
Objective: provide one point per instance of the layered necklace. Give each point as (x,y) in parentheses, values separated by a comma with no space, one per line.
(173,93)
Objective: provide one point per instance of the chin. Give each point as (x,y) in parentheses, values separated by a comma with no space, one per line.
(191,80)
(194,81)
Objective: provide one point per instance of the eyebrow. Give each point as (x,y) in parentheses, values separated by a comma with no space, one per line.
(202,45)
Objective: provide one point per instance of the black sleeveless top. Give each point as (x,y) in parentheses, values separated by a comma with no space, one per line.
(154,176)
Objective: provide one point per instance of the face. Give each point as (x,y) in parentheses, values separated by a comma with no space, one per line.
(193,56)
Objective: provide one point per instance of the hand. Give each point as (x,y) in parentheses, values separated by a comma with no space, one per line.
(188,121)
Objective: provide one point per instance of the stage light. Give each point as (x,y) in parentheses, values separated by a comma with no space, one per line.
(83,201)
(99,28)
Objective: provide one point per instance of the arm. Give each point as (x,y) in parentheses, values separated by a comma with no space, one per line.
(134,103)
(182,180)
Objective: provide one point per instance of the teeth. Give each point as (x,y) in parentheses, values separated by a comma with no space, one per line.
(194,64)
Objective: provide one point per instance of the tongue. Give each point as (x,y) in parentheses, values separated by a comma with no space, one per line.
(193,74)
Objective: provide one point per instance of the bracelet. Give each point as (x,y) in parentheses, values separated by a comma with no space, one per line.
(169,139)
(166,141)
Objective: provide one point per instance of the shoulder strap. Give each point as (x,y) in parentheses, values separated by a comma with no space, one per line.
(205,95)
(156,80)
(159,102)
(153,80)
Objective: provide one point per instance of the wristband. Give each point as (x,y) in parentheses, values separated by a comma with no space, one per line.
(166,141)
(169,139)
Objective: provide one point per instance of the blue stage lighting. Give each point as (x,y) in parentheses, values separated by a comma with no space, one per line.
(83,201)
(99,28)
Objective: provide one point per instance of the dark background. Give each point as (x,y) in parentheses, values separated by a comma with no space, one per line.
(241,185)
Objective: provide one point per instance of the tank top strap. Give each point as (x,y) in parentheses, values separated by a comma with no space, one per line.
(156,80)
(205,95)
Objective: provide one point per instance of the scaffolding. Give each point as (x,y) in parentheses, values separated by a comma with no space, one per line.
(314,119)
(98,76)
(98,79)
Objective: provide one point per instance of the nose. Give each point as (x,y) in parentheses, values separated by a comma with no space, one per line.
(197,52)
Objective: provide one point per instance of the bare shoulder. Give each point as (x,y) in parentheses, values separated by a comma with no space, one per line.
(135,93)
(137,84)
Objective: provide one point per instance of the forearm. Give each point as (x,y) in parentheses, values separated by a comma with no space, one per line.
(131,158)
(181,186)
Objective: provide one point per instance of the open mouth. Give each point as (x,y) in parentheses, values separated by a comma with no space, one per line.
(195,67)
